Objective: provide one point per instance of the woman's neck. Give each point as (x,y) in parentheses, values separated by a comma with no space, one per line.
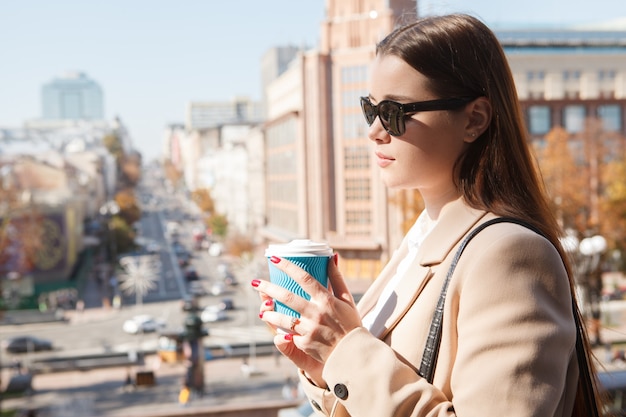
(434,203)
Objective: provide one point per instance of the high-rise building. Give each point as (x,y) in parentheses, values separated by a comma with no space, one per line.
(202,115)
(320,180)
(72,96)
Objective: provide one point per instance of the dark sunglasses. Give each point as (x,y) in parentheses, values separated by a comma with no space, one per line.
(392,114)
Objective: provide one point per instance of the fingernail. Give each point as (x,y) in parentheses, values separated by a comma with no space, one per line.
(336,258)
(255,282)
(261,314)
(275,259)
(289,337)
(268,303)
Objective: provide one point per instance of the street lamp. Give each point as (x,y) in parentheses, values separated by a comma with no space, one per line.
(109,210)
(587,255)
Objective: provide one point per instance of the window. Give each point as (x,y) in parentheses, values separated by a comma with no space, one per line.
(354,126)
(356,157)
(354,74)
(358,218)
(357,189)
(539,120)
(574,118)
(611,117)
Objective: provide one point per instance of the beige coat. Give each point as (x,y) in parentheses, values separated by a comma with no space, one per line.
(508,338)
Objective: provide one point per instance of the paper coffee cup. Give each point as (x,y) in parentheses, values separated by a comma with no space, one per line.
(311,256)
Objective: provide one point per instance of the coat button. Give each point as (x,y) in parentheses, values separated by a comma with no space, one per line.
(316,405)
(341,391)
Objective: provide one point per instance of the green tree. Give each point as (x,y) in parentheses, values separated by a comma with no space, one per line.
(218,223)
(112,142)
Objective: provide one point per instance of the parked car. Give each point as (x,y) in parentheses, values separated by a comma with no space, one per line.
(142,323)
(213,313)
(227,304)
(218,288)
(216,249)
(23,344)
(224,272)
(191,274)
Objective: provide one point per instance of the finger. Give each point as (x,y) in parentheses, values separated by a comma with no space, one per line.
(267,305)
(307,282)
(337,283)
(297,356)
(278,293)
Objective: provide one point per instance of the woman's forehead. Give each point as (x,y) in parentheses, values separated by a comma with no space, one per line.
(391,78)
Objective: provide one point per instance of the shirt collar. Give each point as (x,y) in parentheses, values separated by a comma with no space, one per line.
(419,230)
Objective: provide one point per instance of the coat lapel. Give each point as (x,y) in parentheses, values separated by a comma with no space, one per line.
(455,220)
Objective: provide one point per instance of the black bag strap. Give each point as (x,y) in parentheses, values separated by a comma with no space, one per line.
(429,358)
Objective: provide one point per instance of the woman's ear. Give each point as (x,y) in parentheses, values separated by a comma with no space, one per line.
(479,112)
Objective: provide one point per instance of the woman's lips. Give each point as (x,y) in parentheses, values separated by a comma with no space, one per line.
(383,160)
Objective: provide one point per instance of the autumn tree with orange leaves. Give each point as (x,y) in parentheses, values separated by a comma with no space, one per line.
(585,176)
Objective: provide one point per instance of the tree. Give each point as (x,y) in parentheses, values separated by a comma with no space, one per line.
(613,207)
(172,173)
(129,209)
(564,185)
(202,198)
(585,175)
(218,224)
(113,144)
(130,169)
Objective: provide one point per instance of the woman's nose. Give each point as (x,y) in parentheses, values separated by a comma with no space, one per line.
(377,132)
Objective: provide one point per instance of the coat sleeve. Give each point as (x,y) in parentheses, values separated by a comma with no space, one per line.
(514,338)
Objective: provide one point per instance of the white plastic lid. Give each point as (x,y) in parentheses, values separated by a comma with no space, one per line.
(299,247)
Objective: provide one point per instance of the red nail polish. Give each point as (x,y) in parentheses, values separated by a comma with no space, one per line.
(268,303)
(275,259)
(336,259)
(289,337)
(261,314)
(255,282)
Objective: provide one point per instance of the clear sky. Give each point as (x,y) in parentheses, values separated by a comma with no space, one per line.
(153,56)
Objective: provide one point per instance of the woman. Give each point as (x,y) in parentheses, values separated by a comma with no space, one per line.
(445,120)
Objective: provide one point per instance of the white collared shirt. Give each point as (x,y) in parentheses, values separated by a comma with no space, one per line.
(375,319)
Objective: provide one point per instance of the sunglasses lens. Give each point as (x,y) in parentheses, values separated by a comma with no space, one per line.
(392,117)
(369,111)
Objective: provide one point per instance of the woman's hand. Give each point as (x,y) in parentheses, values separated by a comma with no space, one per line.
(324,319)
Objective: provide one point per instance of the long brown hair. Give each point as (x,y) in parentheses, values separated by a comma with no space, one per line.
(462,57)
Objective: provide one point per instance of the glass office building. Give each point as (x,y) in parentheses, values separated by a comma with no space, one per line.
(72,96)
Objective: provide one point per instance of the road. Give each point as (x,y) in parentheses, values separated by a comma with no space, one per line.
(98,329)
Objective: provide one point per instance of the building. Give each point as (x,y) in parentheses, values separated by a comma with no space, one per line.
(72,96)
(220,149)
(200,115)
(320,180)
(273,64)
(564,77)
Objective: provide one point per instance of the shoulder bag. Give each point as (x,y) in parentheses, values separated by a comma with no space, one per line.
(429,358)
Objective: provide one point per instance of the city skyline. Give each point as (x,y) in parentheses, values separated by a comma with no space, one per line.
(152,58)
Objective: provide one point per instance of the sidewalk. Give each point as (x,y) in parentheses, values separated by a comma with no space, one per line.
(101,393)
